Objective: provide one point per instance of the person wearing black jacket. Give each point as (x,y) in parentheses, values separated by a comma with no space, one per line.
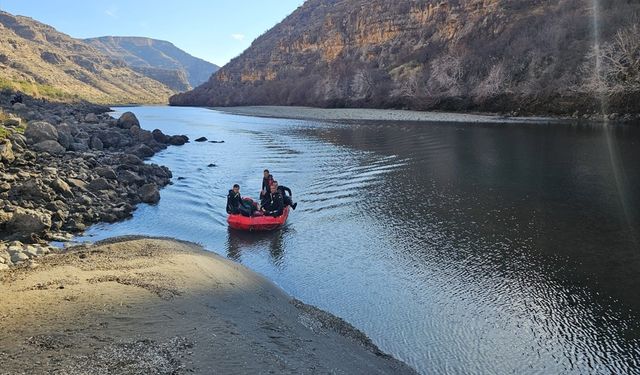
(267,180)
(288,201)
(234,200)
(272,202)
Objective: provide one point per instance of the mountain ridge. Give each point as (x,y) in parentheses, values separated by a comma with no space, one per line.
(38,59)
(157,58)
(466,55)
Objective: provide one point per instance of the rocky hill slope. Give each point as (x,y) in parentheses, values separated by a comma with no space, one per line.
(490,55)
(37,59)
(158,59)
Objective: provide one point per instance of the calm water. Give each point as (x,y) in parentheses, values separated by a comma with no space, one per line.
(457,248)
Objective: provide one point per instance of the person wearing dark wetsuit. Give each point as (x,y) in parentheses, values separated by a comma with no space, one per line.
(267,180)
(234,200)
(288,201)
(272,203)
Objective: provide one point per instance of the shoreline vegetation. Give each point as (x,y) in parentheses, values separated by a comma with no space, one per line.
(150,305)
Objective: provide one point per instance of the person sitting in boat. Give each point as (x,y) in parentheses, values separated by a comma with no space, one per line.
(287,199)
(272,203)
(234,200)
(267,180)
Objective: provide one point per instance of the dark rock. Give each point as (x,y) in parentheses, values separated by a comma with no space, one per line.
(96,144)
(211,165)
(91,118)
(130,178)
(160,137)
(52,147)
(149,193)
(106,172)
(79,147)
(127,120)
(99,184)
(216,141)
(201,139)
(142,151)
(39,131)
(30,190)
(130,159)
(65,139)
(110,138)
(178,140)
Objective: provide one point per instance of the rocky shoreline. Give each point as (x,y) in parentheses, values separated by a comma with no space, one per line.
(66,166)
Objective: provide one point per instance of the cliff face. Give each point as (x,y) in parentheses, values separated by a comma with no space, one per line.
(39,60)
(160,60)
(490,55)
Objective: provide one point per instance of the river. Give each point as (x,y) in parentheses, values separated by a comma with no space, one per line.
(458,248)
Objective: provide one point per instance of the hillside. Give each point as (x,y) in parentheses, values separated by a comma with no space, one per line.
(487,55)
(158,59)
(37,59)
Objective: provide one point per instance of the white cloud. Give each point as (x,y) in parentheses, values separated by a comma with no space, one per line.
(238,36)
(112,12)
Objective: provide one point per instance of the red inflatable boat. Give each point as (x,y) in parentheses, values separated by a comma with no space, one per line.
(257,223)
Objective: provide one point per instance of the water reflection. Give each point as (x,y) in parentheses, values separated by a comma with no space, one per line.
(241,241)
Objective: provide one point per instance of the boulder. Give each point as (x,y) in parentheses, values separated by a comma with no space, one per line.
(6,152)
(77,183)
(38,131)
(149,193)
(19,257)
(61,187)
(19,107)
(25,222)
(130,160)
(52,147)
(99,184)
(106,172)
(160,137)
(12,122)
(178,140)
(110,138)
(78,147)
(130,178)
(96,144)
(91,118)
(201,139)
(64,135)
(127,120)
(142,151)
(30,190)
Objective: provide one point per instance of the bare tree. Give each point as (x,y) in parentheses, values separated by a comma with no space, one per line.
(615,66)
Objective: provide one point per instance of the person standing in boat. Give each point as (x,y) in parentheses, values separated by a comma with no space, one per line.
(273,203)
(234,200)
(267,180)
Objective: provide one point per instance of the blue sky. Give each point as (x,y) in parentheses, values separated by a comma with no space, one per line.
(213,30)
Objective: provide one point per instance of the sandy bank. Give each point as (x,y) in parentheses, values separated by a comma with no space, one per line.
(161,306)
(353,114)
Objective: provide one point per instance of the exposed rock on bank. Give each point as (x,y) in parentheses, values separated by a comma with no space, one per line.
(66,166)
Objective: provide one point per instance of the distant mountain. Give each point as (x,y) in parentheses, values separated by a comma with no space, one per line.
(534,56)
(39,60)
(158,59)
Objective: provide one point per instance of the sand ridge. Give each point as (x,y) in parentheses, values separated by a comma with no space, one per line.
(149,305)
